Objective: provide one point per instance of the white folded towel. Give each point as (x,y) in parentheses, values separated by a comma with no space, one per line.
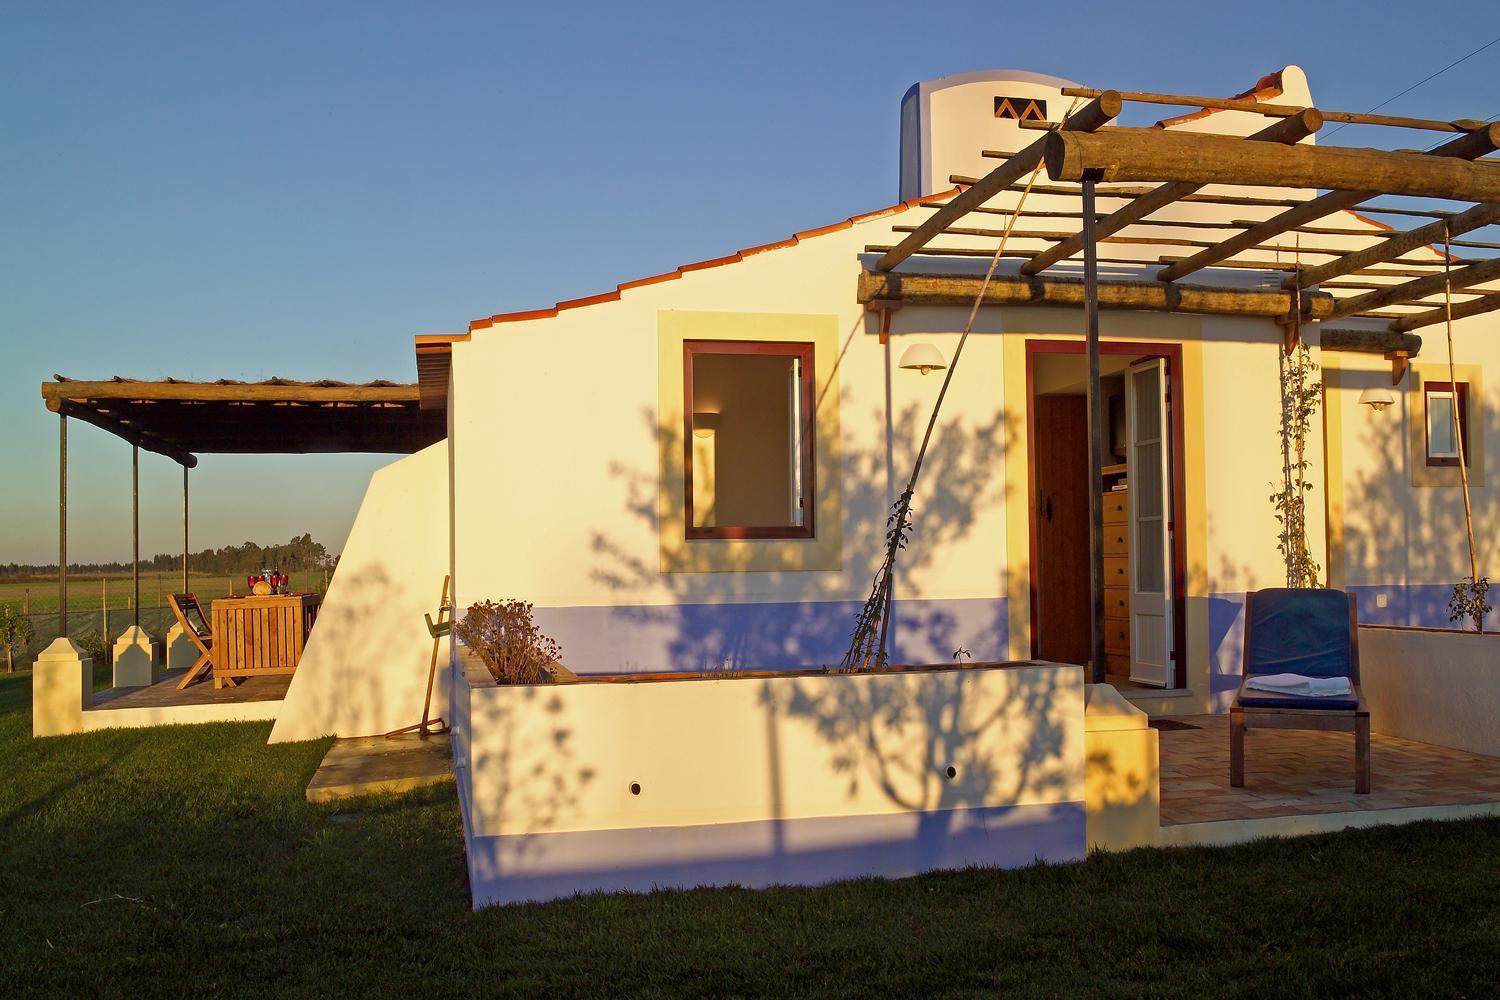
(1300,686)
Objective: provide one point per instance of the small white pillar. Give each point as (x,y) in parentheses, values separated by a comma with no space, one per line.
(62,688)
(135,659)
(181,652)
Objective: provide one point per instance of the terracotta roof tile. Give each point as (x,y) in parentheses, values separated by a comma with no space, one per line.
(793,240)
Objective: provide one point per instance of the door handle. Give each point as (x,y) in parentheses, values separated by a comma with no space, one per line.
(1047,508)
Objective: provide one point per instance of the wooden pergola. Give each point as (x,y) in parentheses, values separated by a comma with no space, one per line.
(181,420)
(1398,277)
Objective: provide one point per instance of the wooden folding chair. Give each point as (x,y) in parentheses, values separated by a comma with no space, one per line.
(200,634)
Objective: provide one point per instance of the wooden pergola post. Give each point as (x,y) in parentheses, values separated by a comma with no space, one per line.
(1096,437)
(185,588)
(62,526)
(135,533)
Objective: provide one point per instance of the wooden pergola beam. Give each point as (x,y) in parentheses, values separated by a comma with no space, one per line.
(1434,232)
(961,289)
(1289,130)
(1369,341)
(1053,235)
(1279,110)
(1099,111)
(1461,310)
(1136,191)
(1357,175)
(124,431)
(232,392)
(1421,288)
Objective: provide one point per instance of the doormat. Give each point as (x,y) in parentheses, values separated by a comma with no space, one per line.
(1167,725)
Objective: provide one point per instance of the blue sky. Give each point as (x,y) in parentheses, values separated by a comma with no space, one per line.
(247,190)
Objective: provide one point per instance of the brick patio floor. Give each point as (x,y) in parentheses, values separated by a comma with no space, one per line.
(1289,773)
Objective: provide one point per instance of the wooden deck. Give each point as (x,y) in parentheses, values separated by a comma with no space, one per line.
(164,693)
(1289,773)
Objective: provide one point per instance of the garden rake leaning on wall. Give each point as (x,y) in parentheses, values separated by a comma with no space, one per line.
(438,630)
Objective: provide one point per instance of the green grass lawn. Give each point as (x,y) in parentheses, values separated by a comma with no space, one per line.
(185,862)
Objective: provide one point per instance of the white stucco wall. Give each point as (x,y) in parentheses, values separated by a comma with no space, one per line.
(364,670)
(1399,544)
(1434,687)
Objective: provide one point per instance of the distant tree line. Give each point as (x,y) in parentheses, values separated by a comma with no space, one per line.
(301,553)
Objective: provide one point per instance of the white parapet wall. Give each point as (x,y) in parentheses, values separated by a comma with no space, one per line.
(778,779)
(364,671)
(1433,685)
(1122,758)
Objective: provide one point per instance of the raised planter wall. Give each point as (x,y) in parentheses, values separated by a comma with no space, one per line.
(755,781)
(1433,685)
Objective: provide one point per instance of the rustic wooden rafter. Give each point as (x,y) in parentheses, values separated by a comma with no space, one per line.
(1099,111)
(961,289)
(1369,341)
(1460,310)
(1434,232)
(1280,110)
(1289,130)
(1421,288)
(1356,175)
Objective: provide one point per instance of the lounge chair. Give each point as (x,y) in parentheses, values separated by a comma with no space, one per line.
(1314,633)
(199,632)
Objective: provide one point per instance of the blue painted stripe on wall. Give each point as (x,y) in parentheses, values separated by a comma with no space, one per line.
(813,851)
(765,636)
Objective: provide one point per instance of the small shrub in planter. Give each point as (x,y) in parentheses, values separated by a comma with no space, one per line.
(1468,602)
(508,641)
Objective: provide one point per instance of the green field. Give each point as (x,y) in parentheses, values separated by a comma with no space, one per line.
(184,861)
(90,594)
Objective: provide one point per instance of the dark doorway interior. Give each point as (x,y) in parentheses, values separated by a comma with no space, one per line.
(1062,517)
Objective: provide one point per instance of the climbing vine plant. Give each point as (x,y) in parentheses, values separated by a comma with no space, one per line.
(1301,392)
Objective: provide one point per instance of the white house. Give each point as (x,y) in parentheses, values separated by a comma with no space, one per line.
(690,475)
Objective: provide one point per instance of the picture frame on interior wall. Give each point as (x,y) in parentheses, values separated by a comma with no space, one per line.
(1443,434)
(757,400)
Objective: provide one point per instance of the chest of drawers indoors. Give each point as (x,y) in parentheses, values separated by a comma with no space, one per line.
(1116,577)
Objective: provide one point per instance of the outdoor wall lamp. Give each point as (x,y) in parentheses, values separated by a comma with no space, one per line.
(1377,397)
(705,422)
(922,357)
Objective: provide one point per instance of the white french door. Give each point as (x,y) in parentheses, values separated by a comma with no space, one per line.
(1150,476)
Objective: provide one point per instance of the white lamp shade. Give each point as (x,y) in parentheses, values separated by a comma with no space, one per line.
(1377,397)
(922,357)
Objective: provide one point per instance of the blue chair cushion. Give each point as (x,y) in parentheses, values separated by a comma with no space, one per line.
(1302,631)
(1268,699)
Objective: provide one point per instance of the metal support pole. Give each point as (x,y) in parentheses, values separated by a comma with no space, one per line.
(135,533)
(62,526)
(185,588)
(1096,439)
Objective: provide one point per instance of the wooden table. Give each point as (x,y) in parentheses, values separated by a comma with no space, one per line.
(257,636)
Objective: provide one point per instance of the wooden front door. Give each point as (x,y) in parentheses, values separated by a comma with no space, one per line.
(1061,517)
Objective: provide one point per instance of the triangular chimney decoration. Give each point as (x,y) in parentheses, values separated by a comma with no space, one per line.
(1021,109)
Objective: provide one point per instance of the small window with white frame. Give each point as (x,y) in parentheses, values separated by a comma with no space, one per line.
(1447,415)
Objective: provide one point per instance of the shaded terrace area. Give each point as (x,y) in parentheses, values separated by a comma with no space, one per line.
(1303,781)
(182,420)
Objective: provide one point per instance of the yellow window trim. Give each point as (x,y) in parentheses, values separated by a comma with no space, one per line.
(824,551)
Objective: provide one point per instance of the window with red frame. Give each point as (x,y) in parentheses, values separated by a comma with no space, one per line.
(1446,405)
(748,439)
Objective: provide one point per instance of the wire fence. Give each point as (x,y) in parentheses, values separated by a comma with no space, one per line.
(100,608)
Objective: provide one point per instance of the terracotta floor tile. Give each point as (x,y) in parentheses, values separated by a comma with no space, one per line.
(1291,773)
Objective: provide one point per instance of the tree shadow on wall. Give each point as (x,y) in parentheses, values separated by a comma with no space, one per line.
(743,618)
(1410,543)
